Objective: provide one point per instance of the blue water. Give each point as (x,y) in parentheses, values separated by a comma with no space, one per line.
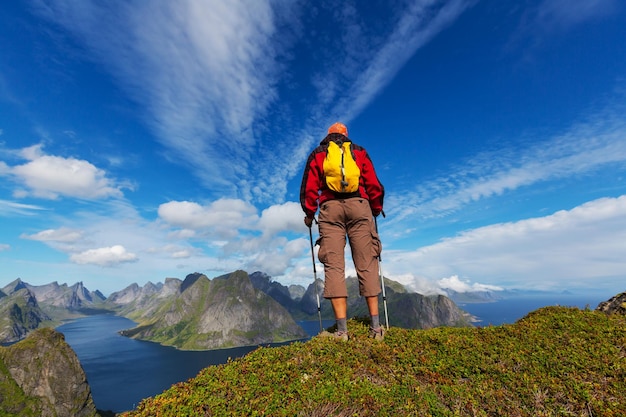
(512,309)
(122,371)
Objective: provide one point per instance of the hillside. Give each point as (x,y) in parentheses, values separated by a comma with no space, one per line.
(555,361)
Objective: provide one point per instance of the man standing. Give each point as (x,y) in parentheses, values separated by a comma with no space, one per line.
(339,178)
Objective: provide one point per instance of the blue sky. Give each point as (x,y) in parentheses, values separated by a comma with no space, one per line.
(145,140)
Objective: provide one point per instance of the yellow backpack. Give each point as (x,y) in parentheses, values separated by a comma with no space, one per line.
(340,169)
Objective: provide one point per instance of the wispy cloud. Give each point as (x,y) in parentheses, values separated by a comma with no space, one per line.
(205,71)
(416,26)
(563,14)
(584,148)
(213,80)
(15,208)
(356,67)
(548,18)
(63,235)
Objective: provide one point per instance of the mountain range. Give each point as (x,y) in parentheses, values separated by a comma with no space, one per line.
(200,313)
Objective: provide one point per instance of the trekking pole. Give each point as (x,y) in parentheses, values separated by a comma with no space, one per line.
(382,279)
(317,291)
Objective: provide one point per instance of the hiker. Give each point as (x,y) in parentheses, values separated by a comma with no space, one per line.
(339,178)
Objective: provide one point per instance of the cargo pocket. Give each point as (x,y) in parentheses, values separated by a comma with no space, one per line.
(321,253)
(377,246)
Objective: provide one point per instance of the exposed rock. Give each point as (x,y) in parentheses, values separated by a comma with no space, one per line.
(296,292)
(615,305)
(42,376)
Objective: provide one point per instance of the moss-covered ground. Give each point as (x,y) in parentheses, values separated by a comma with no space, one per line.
(557,361)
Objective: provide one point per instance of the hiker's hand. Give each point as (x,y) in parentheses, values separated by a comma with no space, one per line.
(376,213)
(308,221)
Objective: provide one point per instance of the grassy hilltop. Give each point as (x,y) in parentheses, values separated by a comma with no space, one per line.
(556,361)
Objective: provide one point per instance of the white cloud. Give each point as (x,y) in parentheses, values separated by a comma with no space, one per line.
(454,283)
(48,176)
(4,247)
(277,259)
(282,217)
(584,246)
(106,257)
(224,216)
(62,235)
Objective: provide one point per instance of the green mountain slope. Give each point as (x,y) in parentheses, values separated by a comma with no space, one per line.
(20,314)
(556,361)
(213,314)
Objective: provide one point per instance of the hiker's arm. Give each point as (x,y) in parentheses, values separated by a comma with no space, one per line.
(373,187)
(310,186)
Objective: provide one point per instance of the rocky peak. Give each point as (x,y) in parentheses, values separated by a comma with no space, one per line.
(190,280)
(126,295)
(14,286)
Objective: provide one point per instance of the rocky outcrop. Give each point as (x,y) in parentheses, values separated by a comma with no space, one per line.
(417,311)
(41,376)
(212,314)
(409,310)
(615,305)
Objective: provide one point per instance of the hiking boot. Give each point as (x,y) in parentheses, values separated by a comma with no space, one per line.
(343,336)
(377,334)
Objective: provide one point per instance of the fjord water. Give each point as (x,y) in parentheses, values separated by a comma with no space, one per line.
(122,371)
(512,309)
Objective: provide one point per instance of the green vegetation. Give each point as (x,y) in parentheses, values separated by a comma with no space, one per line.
(557,361)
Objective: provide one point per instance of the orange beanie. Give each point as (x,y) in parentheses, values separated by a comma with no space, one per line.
(338,128)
